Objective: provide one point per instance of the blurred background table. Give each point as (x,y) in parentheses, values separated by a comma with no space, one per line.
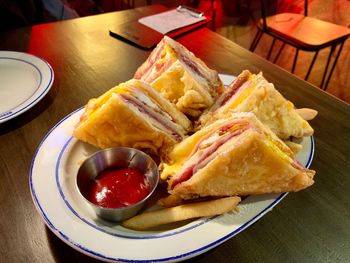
(312,225)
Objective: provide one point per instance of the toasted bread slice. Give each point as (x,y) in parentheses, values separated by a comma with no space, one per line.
(181,77)
(234,156)
(253,93)
(132,114)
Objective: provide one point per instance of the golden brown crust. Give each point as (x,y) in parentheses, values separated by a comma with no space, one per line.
(113,119)
(184,148)
(276,112)
(295,147)
(170,201)
(213,81)
(165,104)
(116,124)
(249,167)
(181,77)
(180,87)
(269,106)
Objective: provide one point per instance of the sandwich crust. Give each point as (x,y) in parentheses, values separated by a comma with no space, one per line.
(180,87)
(276,112)
(112,121)
(234,156)
(181,77)
(117,124)
(246,166)
(182,150)
(261,98)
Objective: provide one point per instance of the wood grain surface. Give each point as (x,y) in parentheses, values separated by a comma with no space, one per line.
(310,226)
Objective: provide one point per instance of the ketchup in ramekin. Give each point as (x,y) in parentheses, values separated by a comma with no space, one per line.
(118,187)
(117,182)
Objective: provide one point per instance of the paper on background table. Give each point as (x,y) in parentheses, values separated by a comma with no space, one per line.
(169,21)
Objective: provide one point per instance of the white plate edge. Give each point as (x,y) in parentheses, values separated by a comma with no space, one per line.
(36,96)
(190,254)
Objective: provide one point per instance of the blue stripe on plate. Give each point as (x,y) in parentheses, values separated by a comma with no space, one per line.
(92,253)
(8,114)
(62,151)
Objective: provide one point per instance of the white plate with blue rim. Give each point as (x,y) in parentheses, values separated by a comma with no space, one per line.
(24,80)
(53,188)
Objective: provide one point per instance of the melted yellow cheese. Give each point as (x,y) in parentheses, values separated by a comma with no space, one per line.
(95,104)
(275,150)
(170,170)
(179,155)
(181,152)
(232,104)
(167,53)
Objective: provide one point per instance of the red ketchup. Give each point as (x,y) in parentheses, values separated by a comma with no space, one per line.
(115,188)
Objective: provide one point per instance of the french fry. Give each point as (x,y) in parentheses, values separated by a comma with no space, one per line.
(179,213)
(295,147)
(307,114)
(170,201)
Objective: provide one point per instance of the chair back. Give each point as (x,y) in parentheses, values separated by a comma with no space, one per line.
(263,12)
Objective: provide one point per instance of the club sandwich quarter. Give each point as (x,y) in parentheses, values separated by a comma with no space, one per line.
(132,114)
(253,93)
(237,155)
(215,145)
(181,77)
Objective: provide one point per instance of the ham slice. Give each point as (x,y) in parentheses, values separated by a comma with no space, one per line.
(158,118)
(145,69)
(200,157)
(240,82)
(157,63)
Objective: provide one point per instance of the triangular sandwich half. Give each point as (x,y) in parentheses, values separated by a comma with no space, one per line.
(132,114)
(181,77)
(253,93)
(234,156)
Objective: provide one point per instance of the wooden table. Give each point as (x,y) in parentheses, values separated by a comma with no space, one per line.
(310,226)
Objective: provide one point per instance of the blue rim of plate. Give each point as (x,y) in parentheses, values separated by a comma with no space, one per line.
(11,113)
(94,254)
(69,206)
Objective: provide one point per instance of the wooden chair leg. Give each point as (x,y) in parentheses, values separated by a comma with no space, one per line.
(327,65)
(271,48)
(295,60)
(279,52)
(333,66)
(311,65)
(256,40)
